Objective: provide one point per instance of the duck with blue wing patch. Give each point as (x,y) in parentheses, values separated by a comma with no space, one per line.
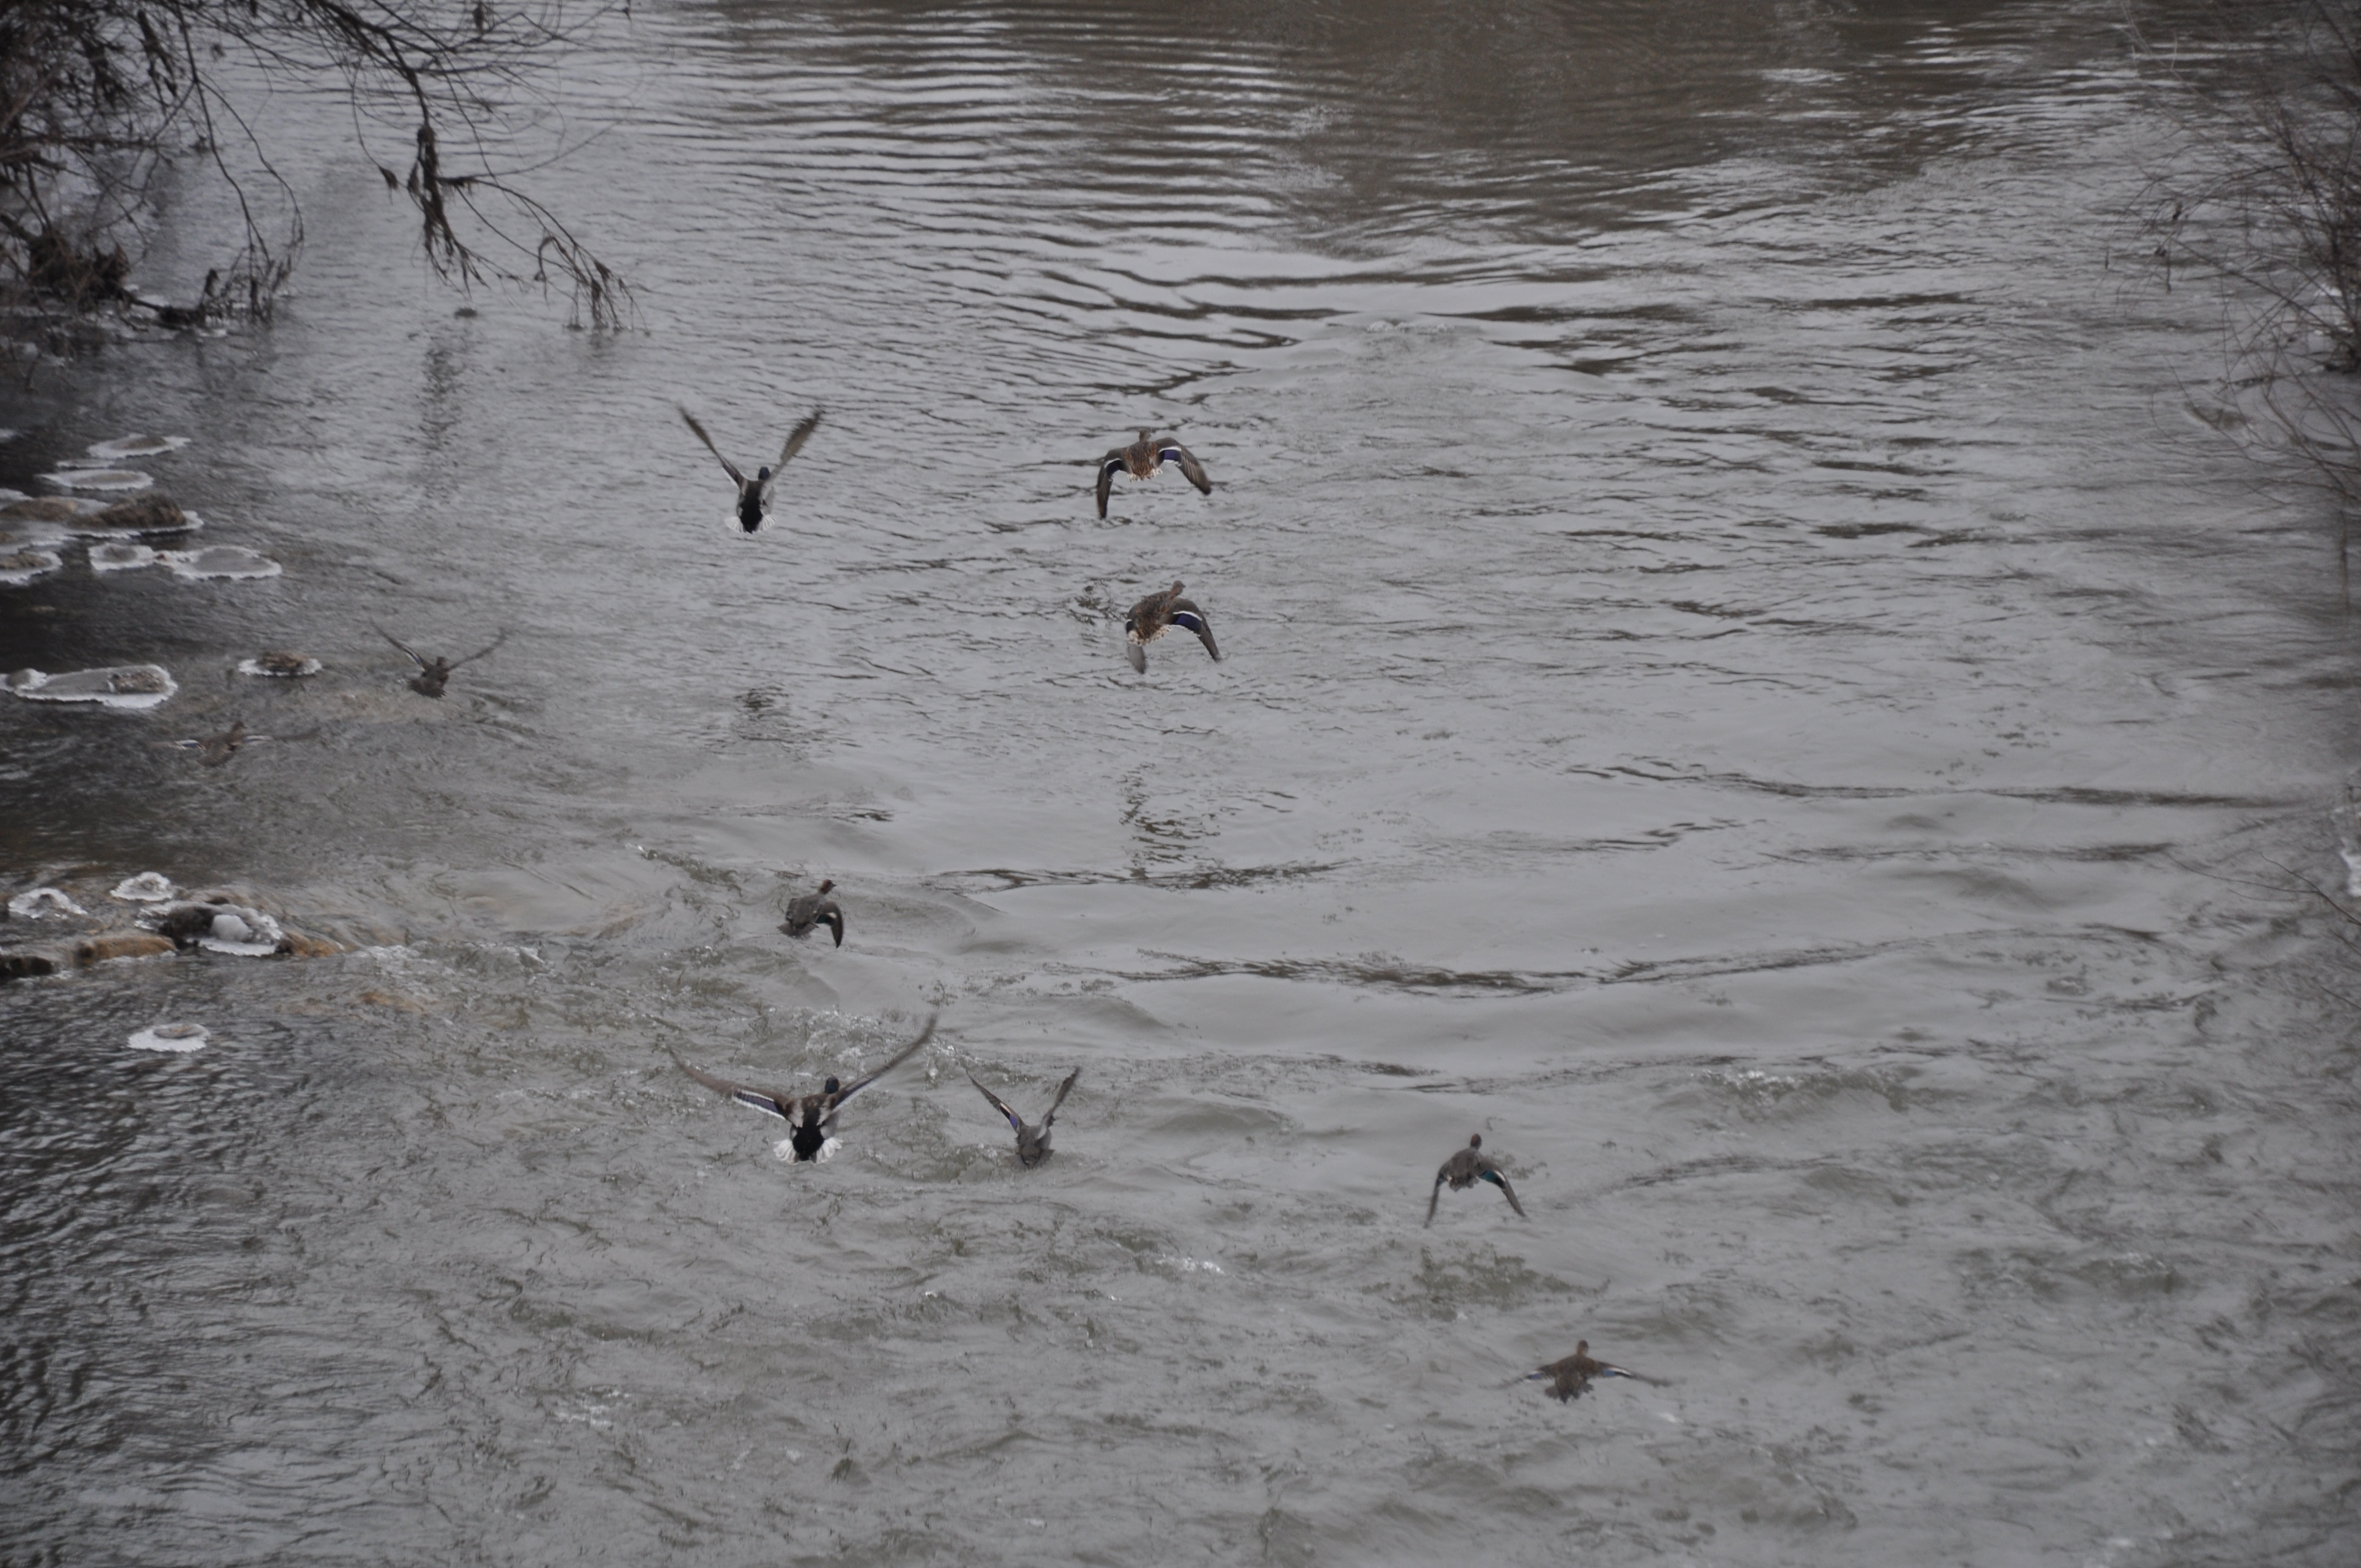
(755,494)
(1156,614)
(810,1118)
(815,909)
(1141,460)
(1570,1378)
(1468,1167)
(1032,1142)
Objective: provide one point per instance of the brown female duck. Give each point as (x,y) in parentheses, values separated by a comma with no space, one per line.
(1142,458)
(1466,1168)
(1152,617)
(1570,1378)
(1032,1142)
(815,909)
(810,1117)
(433,674)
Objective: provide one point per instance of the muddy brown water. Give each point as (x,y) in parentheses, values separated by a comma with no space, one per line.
(1746,682)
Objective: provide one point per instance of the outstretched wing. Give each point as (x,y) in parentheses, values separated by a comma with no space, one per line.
(1491,1173)
(1173,452)
(1109,467)
(1434,1197)
(761,1100)
(1063,1090)
(397,643)
(1016,1122)
(480,651)
(1189,617)
(736,477)
(795,439)
(833,918)
(849,1090)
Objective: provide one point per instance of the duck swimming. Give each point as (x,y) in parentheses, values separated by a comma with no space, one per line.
(810,1117)
(434,674)
(1142,458)
(755,494)
(1032,1142)
(1466,1168)
(212,751)
(1152,617)
(1570,1378)
(815,909)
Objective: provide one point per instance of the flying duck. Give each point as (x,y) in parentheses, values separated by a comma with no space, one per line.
(755,494)
(1032,1142)
(1570,1378)
(433,674)
(1466,1168)
(1142,458)
(1156,614)
(815,909)
(817,1111)
(212,751)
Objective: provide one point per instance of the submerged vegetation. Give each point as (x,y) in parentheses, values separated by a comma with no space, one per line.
(99,98)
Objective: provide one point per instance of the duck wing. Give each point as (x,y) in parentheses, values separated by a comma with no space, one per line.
(1063,1090)
(833,918)
(1189,617)
(736,477)
(849,1090)
(795,439)
(1109,467)
(1015,1120)
(1173,452)
(1491,1173)
(397,643)
(762,1100)
(479,653)
(1436,1196)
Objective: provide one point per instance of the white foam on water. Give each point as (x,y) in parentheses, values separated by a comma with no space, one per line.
(147,887)
(136,446)
(24,566)
(128,687)
(100,479)
(120,556)
(171,1038)
(218,562)
(305,665)
(242,933)
(42,902)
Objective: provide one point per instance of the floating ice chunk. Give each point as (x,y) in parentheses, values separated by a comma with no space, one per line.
(284,665)
(155,513)
(118,686)
(100,479)
(119,557)
(233,562)
(171,1038)
(21,566)
(247,933)
(14,536)
(137,446)
(41,903)
(147,887)
(7,495)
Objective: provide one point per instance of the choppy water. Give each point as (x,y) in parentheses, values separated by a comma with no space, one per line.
(1745,682)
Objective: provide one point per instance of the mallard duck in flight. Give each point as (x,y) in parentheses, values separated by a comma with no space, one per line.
(811,1118)
(755,494)
(1142,458)
(815,909)
(1156,614)
(1466,1168)
(1570,1378)
(433,674)
(1032,1142)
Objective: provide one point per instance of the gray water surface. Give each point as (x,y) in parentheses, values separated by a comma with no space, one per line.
(1747,682)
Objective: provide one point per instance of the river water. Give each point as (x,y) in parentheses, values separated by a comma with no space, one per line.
(1747,681)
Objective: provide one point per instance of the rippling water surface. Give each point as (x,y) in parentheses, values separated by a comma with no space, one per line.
(1745,682)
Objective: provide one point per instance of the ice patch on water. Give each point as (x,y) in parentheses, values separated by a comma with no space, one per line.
(147,887)
(42,902)
(132,686)
(120,557)
(2347,819)
(93,524)
(100,479)
(233,562)
(281,665)
(136,446)
(171,1038)
(242,933)
(22,566)
(50,509)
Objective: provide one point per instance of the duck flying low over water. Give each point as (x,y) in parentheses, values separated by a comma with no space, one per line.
(815,909)
(1142,458)
(1570,1378)
(1032,1142)
(755,494)
(433,674)
(1156,614)
(811,1118)
(1468,1167)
